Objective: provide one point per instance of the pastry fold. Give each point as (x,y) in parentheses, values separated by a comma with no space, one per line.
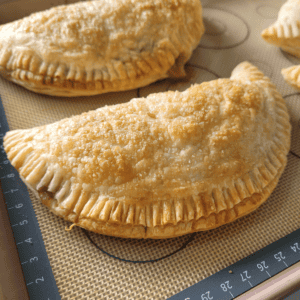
(292,76)
(96,47)
(162,166)
(285,32)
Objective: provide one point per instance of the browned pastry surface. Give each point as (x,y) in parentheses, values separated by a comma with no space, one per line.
(161,166)
(95,47)
(285,32)
(292,76)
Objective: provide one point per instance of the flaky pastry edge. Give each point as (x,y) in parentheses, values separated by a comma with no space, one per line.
(158,219)
(284,33)
(60,79)
(292,76)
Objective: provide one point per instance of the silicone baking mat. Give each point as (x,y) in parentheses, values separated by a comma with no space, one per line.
(91,266)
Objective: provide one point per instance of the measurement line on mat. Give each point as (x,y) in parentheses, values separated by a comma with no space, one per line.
(258,267)
(32,253)
(226,284)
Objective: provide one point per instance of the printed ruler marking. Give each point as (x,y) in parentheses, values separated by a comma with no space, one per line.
(32,253)
(246,273)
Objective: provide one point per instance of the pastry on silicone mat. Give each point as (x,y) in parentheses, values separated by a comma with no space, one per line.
(161,166)
(95,47)
(292,76)
(285,32)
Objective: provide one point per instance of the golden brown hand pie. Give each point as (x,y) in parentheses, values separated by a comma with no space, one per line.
(162,166)
(292,76)
(285,32)
(95,47)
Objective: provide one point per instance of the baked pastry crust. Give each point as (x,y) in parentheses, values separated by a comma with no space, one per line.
(285,32)
(162,166)
(292,76)
(96,47)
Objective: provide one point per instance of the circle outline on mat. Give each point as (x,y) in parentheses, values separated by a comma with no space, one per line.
(218,33)
(290,95)
(295,154)
(184,245)
(284,97)
(233,45)
(269,6)
(170,83)
(295,60)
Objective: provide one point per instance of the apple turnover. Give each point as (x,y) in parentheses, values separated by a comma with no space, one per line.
(162,166)
(96,47)
(292,76)
(285,32)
